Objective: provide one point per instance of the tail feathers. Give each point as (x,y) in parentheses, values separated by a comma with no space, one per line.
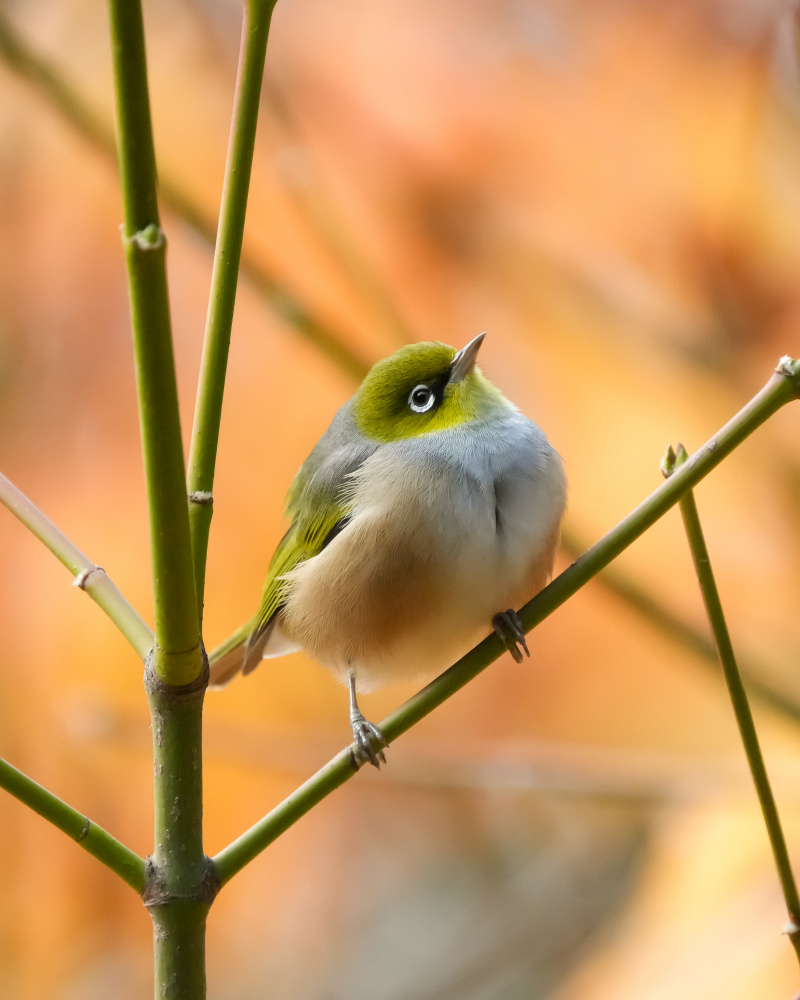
(240,653)
(227,660)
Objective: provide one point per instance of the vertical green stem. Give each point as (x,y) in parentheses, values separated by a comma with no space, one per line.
(738,696)
(181,882)
(224,280)
(179,931)
(178,658)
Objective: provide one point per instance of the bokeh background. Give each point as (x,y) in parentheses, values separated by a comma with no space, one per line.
(612,190)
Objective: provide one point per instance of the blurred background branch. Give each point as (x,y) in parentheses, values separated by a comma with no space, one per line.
(37,71)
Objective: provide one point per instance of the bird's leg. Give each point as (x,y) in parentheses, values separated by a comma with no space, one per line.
(510,632)
(369,740)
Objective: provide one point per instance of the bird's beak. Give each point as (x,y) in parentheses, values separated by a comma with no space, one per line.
(462,363)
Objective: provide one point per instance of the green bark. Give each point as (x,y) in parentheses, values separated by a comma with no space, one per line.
(224,281)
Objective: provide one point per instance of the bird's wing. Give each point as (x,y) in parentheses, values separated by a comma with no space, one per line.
(308,535)
(319,505)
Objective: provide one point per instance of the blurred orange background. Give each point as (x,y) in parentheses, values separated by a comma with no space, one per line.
(612,190)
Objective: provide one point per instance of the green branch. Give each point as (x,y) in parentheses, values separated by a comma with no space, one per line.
(224,281)
(782,388)
(87,576)
(738,696)
(178,658)
(91,837)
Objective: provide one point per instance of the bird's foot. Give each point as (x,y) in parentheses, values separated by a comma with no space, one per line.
(369,742)
(510,632)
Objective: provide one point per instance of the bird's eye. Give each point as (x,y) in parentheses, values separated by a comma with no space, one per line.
(421,399)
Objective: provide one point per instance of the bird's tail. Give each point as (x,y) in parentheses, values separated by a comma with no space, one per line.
(227,660)
(240,653)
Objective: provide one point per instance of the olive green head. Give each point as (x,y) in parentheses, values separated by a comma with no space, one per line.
(421,389)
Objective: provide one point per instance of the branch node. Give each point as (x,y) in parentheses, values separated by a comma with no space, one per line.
(150,238)
(792,929)
(203,498)
(82,578)
(176,693)
(668,462)
(156,893)
(790,368)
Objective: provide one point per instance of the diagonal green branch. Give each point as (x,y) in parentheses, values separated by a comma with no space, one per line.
(91,837)
(88,577)
(738,696)
(30,66)
(177,655)
(782,388)
(224,281)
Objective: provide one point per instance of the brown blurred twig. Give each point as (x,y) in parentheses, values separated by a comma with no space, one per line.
(37,71)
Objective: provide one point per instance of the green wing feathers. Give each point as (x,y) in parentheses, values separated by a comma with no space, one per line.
(319,506)
(318,520)
(306,538)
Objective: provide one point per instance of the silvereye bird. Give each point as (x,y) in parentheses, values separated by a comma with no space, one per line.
(428,505)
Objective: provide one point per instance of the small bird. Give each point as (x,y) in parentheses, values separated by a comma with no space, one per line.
(428,506)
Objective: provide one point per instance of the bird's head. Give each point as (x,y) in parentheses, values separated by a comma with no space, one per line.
(421,389)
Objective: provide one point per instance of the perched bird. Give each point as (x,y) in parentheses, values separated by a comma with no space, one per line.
(428,506)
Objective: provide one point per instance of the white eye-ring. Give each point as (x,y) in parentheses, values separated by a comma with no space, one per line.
(421,399)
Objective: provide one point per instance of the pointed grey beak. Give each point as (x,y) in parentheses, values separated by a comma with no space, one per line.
(462,363)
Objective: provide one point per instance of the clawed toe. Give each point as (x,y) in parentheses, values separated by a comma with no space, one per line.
(368,745)
(510,632)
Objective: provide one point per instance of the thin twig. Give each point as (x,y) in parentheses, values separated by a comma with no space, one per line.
(91,837)
(224,280)
(782,388)
(738,695)
(177,656)
(87,576)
